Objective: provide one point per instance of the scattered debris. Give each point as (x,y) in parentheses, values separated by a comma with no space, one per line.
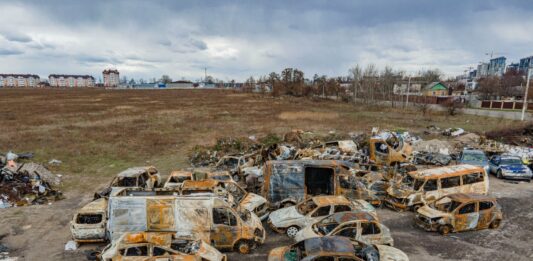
(55,162)
(71,245)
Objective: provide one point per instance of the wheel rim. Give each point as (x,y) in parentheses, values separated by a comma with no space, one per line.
(244,248)
(291,232)
(236,178)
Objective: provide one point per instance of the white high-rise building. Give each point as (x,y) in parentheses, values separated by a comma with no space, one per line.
(111,78)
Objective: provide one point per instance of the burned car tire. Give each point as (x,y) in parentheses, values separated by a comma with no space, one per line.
(495,224)
(369,254)
(92,255)
(292,231)
(236,178)
(243,247)
(445,229)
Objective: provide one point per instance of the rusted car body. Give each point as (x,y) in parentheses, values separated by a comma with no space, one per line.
(290,181)
(159,246)
(354,225)
(291,219)
(176,178)
(389,149)
(135,177)
(89,223)
(335,248)
(419,187)
(208,218)
(459,212)
(235,164)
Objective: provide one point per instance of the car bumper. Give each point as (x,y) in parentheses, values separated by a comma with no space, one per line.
(424,224)
(273,227)
(517,176)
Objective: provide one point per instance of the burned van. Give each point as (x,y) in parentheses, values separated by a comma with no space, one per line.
(205,218)
(290,181)
(424,186)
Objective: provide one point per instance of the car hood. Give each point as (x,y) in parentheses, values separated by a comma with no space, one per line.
(387,253)
(251,201)
(284,214)
(276,254)
(430,212)
(475,163)
(399,192)
(210,253)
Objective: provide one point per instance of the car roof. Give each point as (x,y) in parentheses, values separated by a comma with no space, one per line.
(346,216)
(136,171)
(466,197)
(445,171)
(311,163)
(330,200)
(199,184)
(321,245)
(472,151)
(180,173)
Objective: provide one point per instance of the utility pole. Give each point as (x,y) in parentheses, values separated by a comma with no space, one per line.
(408,87)
(524,104)
(205,74)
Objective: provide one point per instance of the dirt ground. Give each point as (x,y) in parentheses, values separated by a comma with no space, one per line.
(97,133)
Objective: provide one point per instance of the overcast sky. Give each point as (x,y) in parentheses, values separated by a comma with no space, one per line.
(236,39)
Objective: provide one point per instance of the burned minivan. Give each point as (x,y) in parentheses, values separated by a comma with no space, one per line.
(288,182)
(419,187)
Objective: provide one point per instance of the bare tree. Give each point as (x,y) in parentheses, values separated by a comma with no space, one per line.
(356,75)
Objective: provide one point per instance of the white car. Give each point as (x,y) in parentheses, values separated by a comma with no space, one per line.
(356,226)
(291,219)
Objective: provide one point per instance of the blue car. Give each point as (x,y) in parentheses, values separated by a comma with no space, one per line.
(509,167)
(474,157)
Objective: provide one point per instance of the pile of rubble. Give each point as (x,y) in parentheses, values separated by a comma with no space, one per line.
(26,183)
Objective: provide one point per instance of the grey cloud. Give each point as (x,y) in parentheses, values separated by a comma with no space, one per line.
(16,37)
(198,44)
(5,52)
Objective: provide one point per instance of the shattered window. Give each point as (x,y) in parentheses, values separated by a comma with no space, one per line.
(349,232)
(127,182)
(484,205)
(323,211)
(417,184)
(467,209)
(306,207)
(222,216)
(472,178)
(137,251)
(450,182)
(159,251)
(381,147)
(341,208)
(431,185)
(369,228)
(89,218)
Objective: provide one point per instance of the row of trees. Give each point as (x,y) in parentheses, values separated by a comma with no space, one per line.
(492,87)
(367,84)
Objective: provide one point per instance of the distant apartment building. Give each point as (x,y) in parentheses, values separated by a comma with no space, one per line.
(497,66)
(70,81)
(525,63)
(111,78)
(482,70)
(19,80)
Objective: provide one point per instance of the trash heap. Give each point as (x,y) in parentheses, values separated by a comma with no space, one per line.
(26,183)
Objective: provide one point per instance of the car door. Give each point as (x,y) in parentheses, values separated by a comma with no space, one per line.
(225,228)
(466,217)
(493,164)
(349,231)
(370,232)
(485,214)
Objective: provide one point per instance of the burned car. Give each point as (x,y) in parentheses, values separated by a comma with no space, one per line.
(291,219)
(335,248)
(354,225)
(159,246)
(136,177)
(288,182)
(208,218)
(89,223)
(235,164)
(389,149)
(459,212)
(418,187)
(176,178)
